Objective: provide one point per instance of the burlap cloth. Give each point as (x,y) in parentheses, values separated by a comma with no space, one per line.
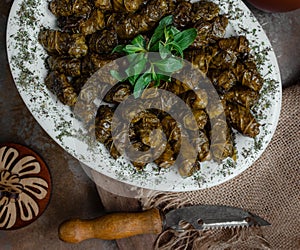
(270,188)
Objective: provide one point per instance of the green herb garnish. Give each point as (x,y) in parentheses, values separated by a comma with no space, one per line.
(142,70)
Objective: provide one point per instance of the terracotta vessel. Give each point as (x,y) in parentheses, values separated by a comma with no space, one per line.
(276,5)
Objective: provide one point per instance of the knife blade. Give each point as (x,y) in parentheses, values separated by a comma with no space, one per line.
(121,225)
(203,217)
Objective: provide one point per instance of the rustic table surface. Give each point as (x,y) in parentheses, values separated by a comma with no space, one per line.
(74,194)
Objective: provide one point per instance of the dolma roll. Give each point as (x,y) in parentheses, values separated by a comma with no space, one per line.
(61,43)
(128,26)
(110,146)
(144,123)
(201,57)
(188,159)
(203,10)
(105,5)
(119,5)
(167,158)
(118,93)
(59,85)
(65,65)
(198,115)
(209,31)
(238,44)
(103,123)
(182,15)
(94,23)
(248,76)
(242,95)
(221,140)
(197,99)
(79,82)
(202,146)
(93,62)
(223,60)
(223,80)
(170,128)
(240,118)
(175,86)
(70,7)
(103,41)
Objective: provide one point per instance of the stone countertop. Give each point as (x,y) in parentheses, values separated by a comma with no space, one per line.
(283,31)
(74,194)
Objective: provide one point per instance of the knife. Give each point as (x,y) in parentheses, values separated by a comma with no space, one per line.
(121,225)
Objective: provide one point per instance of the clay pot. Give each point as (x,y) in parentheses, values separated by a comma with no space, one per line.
(275,5)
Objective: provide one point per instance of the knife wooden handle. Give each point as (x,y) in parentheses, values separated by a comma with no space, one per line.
(112,226)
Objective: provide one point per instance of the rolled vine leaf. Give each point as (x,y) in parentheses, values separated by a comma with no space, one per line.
(105,30)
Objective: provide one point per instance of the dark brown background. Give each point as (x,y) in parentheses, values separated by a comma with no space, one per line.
(74,194)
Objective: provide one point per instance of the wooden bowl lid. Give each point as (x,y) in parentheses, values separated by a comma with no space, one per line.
(25,186)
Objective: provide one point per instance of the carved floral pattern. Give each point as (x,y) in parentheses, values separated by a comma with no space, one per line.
(20,187)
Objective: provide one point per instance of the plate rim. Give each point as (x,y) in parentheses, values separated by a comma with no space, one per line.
(43,124)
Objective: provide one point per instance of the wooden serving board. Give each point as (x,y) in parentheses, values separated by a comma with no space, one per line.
(116,203)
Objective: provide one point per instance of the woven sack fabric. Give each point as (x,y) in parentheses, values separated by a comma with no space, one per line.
(270,188)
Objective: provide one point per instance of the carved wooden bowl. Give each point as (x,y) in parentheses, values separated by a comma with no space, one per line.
(25,186)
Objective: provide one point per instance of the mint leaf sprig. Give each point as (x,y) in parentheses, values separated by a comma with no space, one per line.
(169,42)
